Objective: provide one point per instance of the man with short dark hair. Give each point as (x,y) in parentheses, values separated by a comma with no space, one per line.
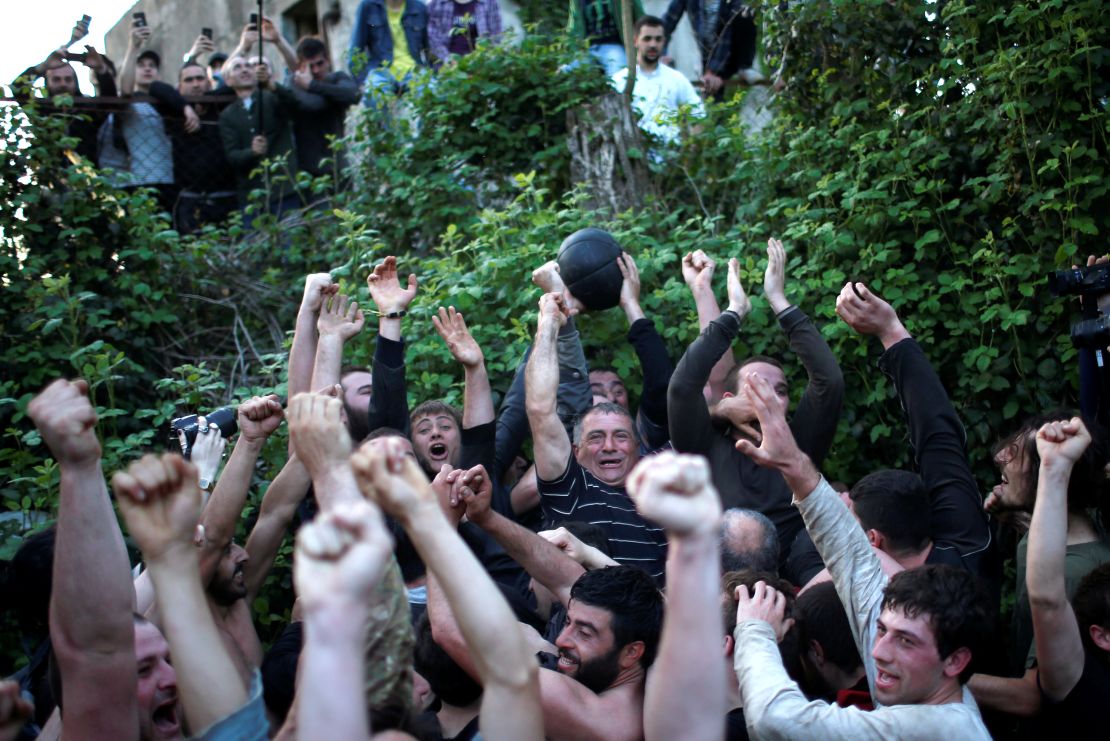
(144,122)
(203,173)
(923,626)
(659,91)
(324,96)
(584,478)
(82,121)
(740,481)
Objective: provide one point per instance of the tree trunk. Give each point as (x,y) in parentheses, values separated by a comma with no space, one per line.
(607,154)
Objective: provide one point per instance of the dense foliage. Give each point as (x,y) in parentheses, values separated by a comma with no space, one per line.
(948,154)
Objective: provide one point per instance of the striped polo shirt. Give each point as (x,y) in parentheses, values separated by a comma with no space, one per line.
(579,495)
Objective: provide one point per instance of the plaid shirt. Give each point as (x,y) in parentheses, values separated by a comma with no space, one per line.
(441,19)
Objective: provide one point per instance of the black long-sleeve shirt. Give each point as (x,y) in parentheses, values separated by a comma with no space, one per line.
(739,480)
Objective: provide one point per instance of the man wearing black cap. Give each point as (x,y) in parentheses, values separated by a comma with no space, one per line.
(143,126)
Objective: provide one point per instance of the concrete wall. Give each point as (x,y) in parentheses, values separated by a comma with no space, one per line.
(177,23)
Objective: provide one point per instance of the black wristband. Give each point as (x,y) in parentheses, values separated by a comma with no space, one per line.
(393,314)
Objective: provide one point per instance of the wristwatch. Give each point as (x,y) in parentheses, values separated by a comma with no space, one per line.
(205,484)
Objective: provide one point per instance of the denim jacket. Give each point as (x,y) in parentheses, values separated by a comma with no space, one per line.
(371,36)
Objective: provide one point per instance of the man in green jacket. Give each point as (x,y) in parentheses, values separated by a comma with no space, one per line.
(599,22)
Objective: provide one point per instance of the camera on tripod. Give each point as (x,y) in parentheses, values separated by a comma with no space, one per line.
(1093,331)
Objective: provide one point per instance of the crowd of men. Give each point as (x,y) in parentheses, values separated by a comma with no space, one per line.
(200,144)
(674,568)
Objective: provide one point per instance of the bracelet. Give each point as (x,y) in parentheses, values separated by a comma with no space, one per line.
(393,314)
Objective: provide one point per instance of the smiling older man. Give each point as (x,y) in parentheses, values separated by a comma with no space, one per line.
(584,479)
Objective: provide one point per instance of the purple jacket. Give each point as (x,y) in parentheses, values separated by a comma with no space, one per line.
(441,18)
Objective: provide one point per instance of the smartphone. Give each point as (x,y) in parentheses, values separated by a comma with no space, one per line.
(140,19)
(206,33)
(254,19)
(75,57)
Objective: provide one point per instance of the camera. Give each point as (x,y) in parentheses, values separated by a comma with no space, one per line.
(140,19)
(223,418)
(1091,334)
(75,57)
(1093,280)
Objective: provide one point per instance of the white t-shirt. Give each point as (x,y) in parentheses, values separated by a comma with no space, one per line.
(657,96)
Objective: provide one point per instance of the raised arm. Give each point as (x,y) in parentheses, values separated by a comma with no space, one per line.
(91,598)
(160,501)
(957,517)
(258,418)
(389,401)
(279,505)
(697,272)
(477,398)
(853,565)
(818,411)
(510,699)
(685,696)
(302,356)
(140,36)
(339,559)
(655,363)
(340,319)
(541,382)
(323,445)
(271,35)
(690,425)
(1060,653)
(543,560)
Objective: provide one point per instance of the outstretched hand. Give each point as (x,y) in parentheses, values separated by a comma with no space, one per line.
(160,501)
(630,284)
(868,314)
(259,417)
(777,448)
(386,474)
(208,448)
(1061,444)
(697,271)
(385,288)
(588,556)
(66,420)
(738,300)
(452,328)
(675,492)
(763,603)
(341,317)
(340,556)
(774,278)
(317,432)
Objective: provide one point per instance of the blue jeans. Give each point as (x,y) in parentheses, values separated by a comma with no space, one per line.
(610,56)
(381,83)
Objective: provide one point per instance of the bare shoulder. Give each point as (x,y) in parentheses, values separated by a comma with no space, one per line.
(571,711)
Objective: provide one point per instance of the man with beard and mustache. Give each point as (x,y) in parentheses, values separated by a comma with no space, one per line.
(584,479)
(609,640)
(659,90)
